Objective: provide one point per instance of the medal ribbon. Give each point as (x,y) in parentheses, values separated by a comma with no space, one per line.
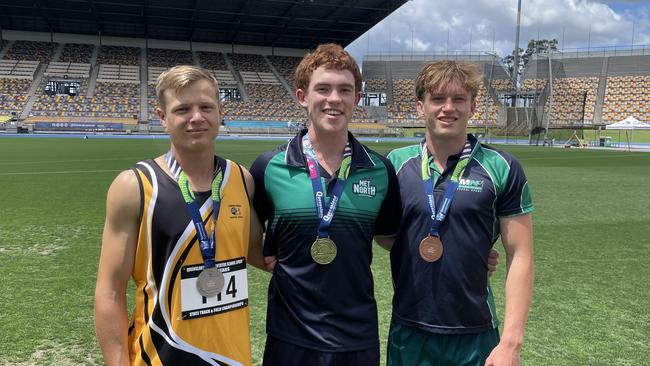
(429,183)
(325,219)
(206,243)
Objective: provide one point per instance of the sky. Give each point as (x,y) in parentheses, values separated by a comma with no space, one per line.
(440,26)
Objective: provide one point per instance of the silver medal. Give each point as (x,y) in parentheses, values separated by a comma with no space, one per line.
(210,282)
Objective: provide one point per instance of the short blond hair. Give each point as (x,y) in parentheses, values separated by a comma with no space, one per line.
(437,75)
(178,77)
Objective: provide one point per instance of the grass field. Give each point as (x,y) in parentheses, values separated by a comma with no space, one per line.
(592,250)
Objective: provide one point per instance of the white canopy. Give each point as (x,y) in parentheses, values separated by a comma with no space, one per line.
(630,123)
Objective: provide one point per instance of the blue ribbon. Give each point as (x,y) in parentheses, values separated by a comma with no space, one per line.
(207,244)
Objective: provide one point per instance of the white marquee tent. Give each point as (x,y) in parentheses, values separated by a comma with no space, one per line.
(628,125)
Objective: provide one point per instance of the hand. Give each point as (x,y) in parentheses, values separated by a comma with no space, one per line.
(269,263)
(493,262)
(503,355)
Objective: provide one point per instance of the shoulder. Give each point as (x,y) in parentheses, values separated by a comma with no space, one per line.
(496,158)
(399,157)
(124,194)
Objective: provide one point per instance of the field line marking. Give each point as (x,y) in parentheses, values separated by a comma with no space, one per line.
(61,172)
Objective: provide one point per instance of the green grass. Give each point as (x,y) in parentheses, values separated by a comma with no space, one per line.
(591,295)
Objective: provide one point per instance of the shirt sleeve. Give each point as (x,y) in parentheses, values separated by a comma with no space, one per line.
(516,198)
(390,213)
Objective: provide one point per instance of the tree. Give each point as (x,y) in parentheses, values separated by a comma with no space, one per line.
(534,47)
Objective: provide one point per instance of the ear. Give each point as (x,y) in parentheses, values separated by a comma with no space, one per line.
(357,98)
(474,107)
(300,96)
(419,106)
(161,115)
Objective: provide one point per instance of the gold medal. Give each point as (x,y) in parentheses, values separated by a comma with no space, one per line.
(431,248)
(323,251)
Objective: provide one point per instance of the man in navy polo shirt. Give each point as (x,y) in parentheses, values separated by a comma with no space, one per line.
(459,197)
(323,197)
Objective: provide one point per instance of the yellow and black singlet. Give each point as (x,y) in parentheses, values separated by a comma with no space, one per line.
(172,323)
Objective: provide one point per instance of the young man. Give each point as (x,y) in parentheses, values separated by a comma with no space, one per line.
(181,226)
(458,197)
(323,197)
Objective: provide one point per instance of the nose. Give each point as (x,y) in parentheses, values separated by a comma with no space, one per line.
(197,115)
(448,105)
(334,97)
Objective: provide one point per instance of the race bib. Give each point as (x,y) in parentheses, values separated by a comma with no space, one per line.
(233,296)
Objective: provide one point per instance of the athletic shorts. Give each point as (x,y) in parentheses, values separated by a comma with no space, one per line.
(279,353)
(409,346)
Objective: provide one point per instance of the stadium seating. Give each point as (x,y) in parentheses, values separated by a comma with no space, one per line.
(67,70)
(286,66)
(118,55)
(569,96)
(76,53)
(30,51)
(627,96)
(158,57)
(115,100)
(502,84)
(14,94)
(375,85)
(252,63)
(212,61)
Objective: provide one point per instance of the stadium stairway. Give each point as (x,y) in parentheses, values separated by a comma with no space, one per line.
(240,83)
(92,81)
(600,94)
(57,52)
(32,92)
(144,106)
(3,51)
(277,74)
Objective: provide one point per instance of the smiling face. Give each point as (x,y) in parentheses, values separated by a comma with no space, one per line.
(191,115)
(446,112)
(330,100)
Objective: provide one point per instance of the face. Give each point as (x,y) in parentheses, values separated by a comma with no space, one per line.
(192,115)
(447,112)
(330,100)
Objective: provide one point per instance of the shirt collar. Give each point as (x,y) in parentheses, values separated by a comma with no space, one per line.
(296,157)
(453,159)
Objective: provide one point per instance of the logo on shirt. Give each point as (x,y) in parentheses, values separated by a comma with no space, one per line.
(364,188)
(470,185)
(235,211)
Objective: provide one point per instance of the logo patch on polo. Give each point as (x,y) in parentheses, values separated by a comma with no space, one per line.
(471,185)
(235,211)
(364,188)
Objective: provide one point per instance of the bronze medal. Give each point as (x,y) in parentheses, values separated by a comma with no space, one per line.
(431,248)
(323,251)
(210,282)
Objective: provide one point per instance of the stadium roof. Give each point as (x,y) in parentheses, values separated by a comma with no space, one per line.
(276,23)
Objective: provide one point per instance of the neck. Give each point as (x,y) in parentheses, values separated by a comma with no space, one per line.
(328,148)
(442,149)
(197,165)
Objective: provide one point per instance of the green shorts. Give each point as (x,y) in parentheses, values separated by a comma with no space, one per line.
(409,346)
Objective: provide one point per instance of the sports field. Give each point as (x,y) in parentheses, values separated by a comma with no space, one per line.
(592,250)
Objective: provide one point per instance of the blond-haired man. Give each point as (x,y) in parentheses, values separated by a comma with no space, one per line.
(182,227)
(459,197)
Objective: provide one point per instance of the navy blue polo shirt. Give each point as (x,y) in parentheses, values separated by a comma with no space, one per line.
(324,307)
(451,294)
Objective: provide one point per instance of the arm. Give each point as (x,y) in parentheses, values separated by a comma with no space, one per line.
(385,241)
(517,238)
(255,256)
(115,267)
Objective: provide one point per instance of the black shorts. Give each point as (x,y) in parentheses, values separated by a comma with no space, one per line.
(279,353)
